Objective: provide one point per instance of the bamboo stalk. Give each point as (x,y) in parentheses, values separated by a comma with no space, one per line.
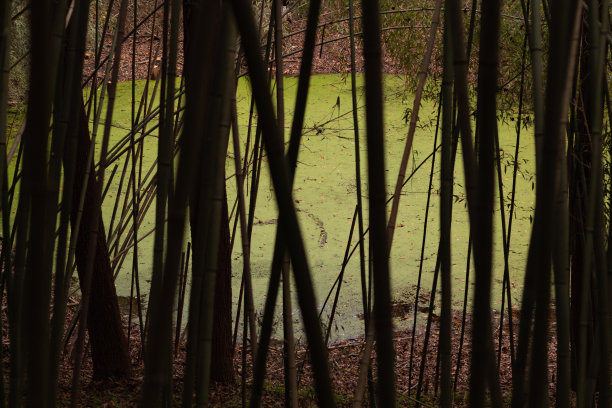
(445,221)
(37,276)
(14,284)
(594,226)
(546,190)
(561,248)
(244,236)
(377,197)
(479,190)
(181,300)
(95,220)
(414,115)
(135,204)
(535,43)
(289,342)
(364,363)
(220,121)
(432,300)
(339,281)
(5,14)
(537,70)
(508,234)
(5,11)
(482,350)
(294,144)
(67,115)
(603,299)
(464,313)
(164,282)
(281,182)
(358,192)
(423,241)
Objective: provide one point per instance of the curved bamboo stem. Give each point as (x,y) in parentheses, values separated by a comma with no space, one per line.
(414,116)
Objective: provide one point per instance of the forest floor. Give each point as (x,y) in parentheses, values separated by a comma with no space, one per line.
(343,363)
(331,57)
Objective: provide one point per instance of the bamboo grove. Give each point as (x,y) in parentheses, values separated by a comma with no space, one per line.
(56,168)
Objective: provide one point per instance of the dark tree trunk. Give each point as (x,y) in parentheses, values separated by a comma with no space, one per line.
(108,342)
(221,368)
(579,161)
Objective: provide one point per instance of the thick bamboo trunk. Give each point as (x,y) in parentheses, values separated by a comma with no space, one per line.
(221,369)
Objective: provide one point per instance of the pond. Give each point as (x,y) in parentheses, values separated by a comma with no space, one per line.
(325,198)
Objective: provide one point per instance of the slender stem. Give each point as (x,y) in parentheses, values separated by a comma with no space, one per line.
(282,186)
(445,221)
(362,263)
(414,115)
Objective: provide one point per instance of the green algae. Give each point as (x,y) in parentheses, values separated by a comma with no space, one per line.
(325,198)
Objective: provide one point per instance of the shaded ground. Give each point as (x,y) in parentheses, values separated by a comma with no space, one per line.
(331,56)
(343,361)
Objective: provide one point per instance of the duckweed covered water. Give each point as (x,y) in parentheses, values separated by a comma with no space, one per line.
(325,197)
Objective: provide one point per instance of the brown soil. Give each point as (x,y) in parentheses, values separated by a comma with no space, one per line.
(331,57)
(343,363)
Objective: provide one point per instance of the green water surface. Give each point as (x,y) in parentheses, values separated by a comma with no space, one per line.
(325,198)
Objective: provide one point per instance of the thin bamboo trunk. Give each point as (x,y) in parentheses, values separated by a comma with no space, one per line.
(292,154)
(479,190)
(135,281)
(482,351)
(66,116)
(209,213)
(206,211)
(245,292)
(282,186)
(537,277)
(561,247)
(364,364)
(511,215)
(200,48)
(445,219)
(377,207)
(44,20)
(594,227)
(423,241)
(15,285)
(5,261)
(535,43)
(432,299)
(414,116)
(289,342)
(362,269)
(5,24)
(45,49)
(244,236)
(165,146)
(94,221)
